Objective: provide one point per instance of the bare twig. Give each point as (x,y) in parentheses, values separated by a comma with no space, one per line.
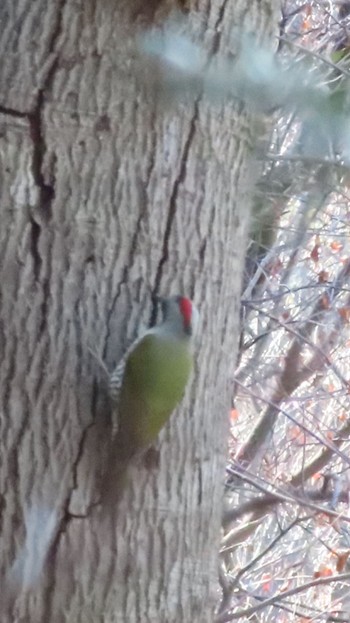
(226,617)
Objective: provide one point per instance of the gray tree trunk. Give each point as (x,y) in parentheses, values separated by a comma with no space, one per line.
(108,197)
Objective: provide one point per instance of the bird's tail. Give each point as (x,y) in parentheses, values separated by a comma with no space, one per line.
(116,473)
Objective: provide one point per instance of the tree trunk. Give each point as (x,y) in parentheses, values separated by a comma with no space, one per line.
(108,197)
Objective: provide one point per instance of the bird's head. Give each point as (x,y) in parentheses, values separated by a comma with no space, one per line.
(180,314)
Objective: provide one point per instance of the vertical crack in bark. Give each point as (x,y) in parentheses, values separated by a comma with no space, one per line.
(153,149)
(200,485)
(34,239)
(43,211)
(217,35)
(67,516)
(46,191)
(13,472)
(35,118)
(173,199)
(64,522)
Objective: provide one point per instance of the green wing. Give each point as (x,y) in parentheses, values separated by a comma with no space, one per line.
(154,381)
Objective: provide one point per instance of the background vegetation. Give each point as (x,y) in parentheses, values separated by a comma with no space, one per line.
(286,528)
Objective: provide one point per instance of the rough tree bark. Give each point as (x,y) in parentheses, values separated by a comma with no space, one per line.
(108,197)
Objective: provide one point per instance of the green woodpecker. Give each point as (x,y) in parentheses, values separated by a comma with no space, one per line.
(150,380)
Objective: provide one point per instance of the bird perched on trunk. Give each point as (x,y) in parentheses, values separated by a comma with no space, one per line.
(150,381)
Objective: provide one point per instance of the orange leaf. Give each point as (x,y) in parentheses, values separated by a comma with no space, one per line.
(341,562)
(322,519)
(315,253)
(344,313)
(323,572)
(336,245)
(234,415)
(296,434)
(306,24)
(325,301)
(323,276)
(266,585)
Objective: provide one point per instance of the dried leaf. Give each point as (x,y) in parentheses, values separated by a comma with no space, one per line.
(341,562)
(336,245)
(323,572)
